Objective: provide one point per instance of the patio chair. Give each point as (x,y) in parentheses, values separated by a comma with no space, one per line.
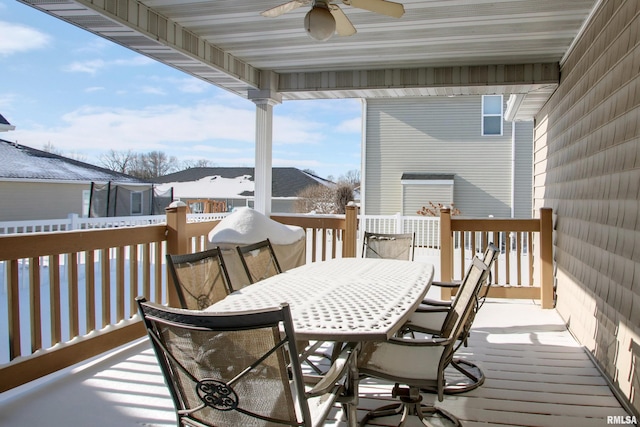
(389,246)
(418,364)
(259,260)
(231,369)
(488,254)
(436,321)
(201,279)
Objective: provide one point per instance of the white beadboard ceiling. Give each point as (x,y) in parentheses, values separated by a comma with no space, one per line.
(439,47)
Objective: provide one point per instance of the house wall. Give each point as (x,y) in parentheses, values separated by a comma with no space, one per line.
(441,135)
(32,201)
(587,168)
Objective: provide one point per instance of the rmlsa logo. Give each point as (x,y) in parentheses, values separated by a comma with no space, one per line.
(622,419)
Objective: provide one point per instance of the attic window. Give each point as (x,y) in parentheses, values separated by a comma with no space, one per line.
(492,115)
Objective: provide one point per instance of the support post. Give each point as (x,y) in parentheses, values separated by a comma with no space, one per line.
(265,98)
(177,243)
(350,239)
(547,298)
(446,252)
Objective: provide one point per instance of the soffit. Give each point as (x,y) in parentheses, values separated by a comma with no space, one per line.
(439,47)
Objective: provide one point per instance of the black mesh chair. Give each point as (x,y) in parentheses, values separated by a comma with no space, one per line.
(201,279)
(259,260)
(236,369)
(389,246)
(418,364)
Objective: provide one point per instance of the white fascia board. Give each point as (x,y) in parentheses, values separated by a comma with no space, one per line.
(426,182)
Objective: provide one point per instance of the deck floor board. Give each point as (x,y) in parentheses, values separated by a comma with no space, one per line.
(536,376)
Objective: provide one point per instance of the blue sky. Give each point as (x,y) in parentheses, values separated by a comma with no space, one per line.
(84,95)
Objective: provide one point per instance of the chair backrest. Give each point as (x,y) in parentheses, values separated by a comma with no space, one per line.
(460,314)
(259,260)
(228,369)
(389,246)
(201,279)
(490,255)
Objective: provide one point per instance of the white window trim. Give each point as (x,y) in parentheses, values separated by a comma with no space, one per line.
(501,115)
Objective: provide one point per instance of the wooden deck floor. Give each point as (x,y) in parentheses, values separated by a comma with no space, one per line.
(537,375)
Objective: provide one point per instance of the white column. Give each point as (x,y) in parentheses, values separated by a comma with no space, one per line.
(264,98)
(264,151)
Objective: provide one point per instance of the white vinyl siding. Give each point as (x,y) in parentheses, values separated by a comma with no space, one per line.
(22,201)
(416,196)
(435,135)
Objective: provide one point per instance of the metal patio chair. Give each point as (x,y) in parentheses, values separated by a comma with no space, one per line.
(201,279)
(235,369)
(389,246)
(487,256)
(418,364)
(259,260)
(436,321)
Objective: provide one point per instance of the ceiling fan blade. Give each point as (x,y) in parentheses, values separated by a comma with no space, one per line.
(344,27)
(383,7)
(284,8)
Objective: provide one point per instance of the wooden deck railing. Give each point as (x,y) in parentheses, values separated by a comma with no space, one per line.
(72,293)
(513,237)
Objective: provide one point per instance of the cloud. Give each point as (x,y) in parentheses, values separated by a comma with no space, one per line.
(350,126)
(93,66)
(94,89)
(16,38)
(151,90)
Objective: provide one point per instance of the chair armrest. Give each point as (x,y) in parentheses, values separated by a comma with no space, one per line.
(427,308)
(454,284)
(335,372)
(436,303)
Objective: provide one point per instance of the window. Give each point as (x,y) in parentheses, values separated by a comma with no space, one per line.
(86,196)
(136,203)
(491,115)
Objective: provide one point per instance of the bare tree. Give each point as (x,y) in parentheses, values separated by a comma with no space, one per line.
(200,163)
(343,194)
(153,164)
(118,161)
(49,148)
(351,177)
(317,198)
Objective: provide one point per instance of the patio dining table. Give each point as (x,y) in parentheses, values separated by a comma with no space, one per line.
(341,300)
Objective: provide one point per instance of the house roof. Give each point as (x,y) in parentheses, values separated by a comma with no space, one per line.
(5,125)
(20,162)
(286,182)
(470,47)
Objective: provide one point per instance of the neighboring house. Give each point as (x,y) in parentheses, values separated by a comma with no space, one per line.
(446,150)
(35,184)
(235,186)
(5,125)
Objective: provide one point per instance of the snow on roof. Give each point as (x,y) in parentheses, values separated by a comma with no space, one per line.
(212,187)
(20,162)
(246,226)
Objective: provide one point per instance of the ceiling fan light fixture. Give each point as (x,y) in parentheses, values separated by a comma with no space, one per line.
(319,23)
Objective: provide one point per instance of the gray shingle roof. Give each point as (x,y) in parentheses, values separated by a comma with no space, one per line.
(3,121)
(22,162)
(286,182)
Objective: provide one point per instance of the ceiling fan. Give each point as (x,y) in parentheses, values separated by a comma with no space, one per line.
(326,18)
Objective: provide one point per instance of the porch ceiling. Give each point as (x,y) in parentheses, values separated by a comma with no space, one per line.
(452,47)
